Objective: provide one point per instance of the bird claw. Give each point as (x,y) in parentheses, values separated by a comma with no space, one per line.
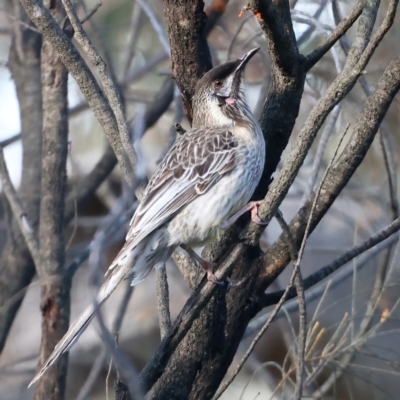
(212,278)
(253,208)
(254,214)
(257,220)
(226,282)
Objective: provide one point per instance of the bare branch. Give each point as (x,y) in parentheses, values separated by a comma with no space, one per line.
(80,71)
(312,292)
(184,321)
(17,266)
(97,367)
(326,135)
(189,50)
(135,29)
(341,28)
(307,33)
(356,62)
(225,385)
(163,299)
(18,211)
(275,21)
(55,285)
(109,87)
(298,280)
(19,21)
(91,12)
(156,25)
(10,140)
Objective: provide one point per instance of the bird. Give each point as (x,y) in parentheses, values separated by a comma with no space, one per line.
(201,187)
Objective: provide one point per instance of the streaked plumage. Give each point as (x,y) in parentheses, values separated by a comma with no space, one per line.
(208,175)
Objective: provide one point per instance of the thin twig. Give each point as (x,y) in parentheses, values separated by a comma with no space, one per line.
(236,34)
(133,36)
(91,12)
(337,33)
(22,23)
(307,33)
(319,154)
(391,169)
(11,140)
(382,239)
(156,25)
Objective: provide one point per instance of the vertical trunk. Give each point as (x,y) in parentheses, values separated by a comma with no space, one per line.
(17,268)
(55,302)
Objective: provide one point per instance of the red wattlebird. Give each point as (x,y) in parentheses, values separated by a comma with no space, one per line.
(203,185)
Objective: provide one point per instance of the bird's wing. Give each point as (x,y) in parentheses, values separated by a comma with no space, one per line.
(197,160)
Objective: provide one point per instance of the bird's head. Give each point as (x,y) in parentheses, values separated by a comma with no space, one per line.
(219,98)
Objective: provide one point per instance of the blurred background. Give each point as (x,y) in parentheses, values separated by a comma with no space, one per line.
(366,364)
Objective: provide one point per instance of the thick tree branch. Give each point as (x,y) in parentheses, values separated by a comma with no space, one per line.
(238,307)
(358,58)
(189,50)
(55,285)
(362,136)
(283,101)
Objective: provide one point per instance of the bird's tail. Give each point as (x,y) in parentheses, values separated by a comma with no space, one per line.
(80,324)
(134,261)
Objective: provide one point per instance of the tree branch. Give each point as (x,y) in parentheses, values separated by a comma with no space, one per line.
(19,213)
(363,133)
(342,27)
(80,71)
(55,285)
(189,50)
(17,268)
(109,87)
(358,58)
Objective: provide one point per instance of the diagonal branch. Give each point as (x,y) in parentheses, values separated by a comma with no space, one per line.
(341,28)
(363,134)
(358,58)
(80,71)
(19,213)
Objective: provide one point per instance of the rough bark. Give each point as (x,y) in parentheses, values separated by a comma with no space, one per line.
(55,284)
(190,54)
(17,268)
(242,302)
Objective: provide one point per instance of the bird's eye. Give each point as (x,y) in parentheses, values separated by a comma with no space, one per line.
(218,84)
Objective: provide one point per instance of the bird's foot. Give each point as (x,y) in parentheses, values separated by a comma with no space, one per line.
(206,265)
(253,207)
(209,268)
(254,213)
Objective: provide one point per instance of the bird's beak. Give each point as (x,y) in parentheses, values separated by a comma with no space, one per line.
(238,75)
(245,59)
